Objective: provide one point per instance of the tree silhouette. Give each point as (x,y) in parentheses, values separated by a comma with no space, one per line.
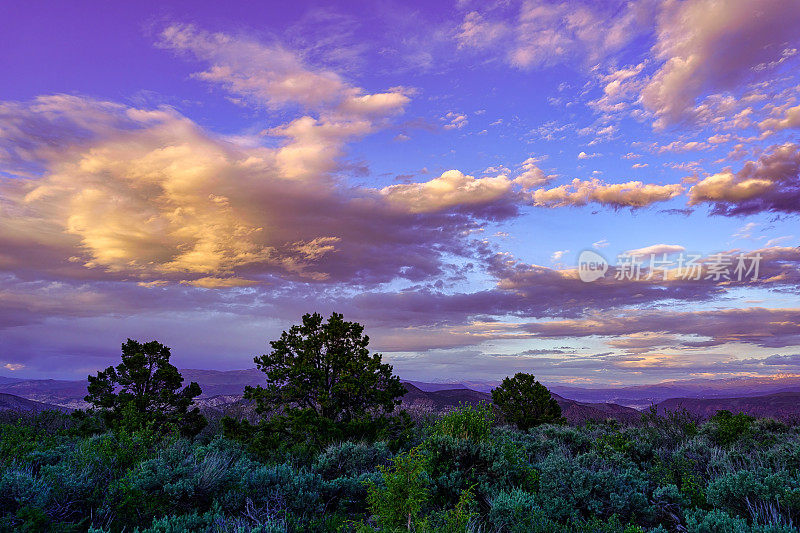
(325,369)
(525,402)
(145,390)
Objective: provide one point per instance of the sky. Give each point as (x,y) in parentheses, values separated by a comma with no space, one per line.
(446,173)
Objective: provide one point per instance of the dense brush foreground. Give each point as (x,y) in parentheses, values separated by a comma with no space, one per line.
(458,471)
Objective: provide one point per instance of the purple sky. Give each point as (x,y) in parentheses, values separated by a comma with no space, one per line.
(204,173)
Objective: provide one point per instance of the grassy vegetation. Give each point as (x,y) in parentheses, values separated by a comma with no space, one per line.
(460,471)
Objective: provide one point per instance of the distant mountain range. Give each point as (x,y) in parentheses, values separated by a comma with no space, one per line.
(778,396)
(781,406)
(642,396)
(574,412)
(49,391)
(9,402)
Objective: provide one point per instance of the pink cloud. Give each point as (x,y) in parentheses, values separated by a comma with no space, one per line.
(717,50)
(771,183)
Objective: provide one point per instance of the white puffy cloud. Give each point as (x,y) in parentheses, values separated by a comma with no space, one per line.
(126,193)
(790,119)
(455,121)
(450,190)
(532,176)
(772,183)
(630,194)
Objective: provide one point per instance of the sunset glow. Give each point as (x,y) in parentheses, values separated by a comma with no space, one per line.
(204,174)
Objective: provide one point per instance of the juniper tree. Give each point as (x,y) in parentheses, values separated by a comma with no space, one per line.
(525,402)
(325,368)
(145,390)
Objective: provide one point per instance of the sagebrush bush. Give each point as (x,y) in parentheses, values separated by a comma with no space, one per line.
(726,428)
(471,422)
(462,474)
(491,465)
(351,458)
(517,511)
(593,485)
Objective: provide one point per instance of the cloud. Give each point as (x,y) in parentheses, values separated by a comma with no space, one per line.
(475,31)
(772,183)
(717,51)
(633,194)
(217,283)
(546,33)
(755,325)
(642,342)
(561,292)
(453,189)
(680,147)
(271,75)
(746,231)
(528,290)
(719,138)
(657,249)
(90,315)
(455,121)
(584,155)
(147,194)
(790,119)
(532,176)
(619,86)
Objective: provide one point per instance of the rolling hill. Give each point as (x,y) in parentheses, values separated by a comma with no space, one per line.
(9,402)
(782,406)
(574,412)
(642,396)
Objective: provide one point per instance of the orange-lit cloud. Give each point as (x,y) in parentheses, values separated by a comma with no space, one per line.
(629,194)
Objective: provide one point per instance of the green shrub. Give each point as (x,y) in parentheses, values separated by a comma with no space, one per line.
(20,488)
(400,497)
(214,522)
(464,476)
(668,429)
(592,485)
(715,521)
(284,488)
(490,465)
(682,472)
(181,478)
(351,458)
(749,493)
(615,442)
(543,440)
(455,520)
(517,511)
(726,428)
(467,421)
